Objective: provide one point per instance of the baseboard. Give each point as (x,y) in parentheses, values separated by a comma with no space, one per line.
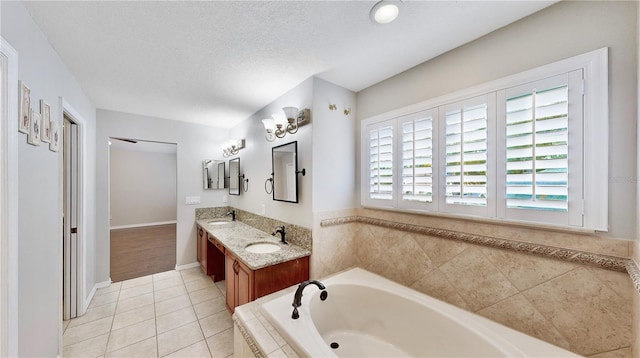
(187,266)
(98,285)
(142,225)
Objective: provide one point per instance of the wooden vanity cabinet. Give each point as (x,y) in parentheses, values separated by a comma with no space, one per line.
(245,285)
(210,254)
(202,249)
(239,282)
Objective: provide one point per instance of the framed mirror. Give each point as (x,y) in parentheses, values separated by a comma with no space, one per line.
(213,174)
(234,176)
(284,161)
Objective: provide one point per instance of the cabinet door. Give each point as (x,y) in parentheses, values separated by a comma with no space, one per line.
(198,243)
(203,252)
(243,286)
(230,278)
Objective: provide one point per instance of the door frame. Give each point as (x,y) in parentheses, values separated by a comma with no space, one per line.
(66,109)
(9,208)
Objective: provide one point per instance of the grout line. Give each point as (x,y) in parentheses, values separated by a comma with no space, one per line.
(155,318)
(113,318)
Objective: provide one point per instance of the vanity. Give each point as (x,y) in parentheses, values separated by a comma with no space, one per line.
(252,262)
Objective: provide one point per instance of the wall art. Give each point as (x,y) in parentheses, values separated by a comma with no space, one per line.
(35,129)
(45,114)
(24,112)
(54,145)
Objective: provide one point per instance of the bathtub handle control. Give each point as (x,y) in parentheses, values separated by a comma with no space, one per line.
(297,299)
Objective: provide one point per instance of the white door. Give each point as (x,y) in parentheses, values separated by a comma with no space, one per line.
(70,219)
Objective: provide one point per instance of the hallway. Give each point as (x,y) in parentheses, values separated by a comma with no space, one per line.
(173,313)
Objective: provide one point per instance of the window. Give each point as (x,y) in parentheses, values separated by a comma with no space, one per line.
(380,155)
(466,155)
(418,151)
(513,149)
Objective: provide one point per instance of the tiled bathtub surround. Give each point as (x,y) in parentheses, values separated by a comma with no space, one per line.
(583,308)
(295,234)
(576,256)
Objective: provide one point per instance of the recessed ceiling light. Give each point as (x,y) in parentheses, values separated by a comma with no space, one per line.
(384,11)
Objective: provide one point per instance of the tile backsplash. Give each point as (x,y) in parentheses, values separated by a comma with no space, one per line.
(585,309)
(295,234)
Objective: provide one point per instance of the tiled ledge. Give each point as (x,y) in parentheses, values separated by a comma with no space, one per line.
(634,272)
(576,256)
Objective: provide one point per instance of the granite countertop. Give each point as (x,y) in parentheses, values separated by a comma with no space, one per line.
(235,236)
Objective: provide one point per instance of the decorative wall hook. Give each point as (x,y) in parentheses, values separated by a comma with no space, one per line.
(347,111)
(303,172)
(333,107)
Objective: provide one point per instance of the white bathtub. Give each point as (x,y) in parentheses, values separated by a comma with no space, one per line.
(370,316)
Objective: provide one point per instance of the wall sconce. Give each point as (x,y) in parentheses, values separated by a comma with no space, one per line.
(232,147)
(287,122)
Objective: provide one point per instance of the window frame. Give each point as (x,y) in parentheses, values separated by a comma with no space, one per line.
(590,213)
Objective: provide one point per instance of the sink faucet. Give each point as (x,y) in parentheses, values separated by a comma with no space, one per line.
(280,229)
(297,299)
(233,215)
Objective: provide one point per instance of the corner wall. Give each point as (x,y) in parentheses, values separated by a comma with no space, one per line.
(40,208)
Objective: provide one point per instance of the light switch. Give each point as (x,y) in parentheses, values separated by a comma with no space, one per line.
(263,209)
(192,200)
(225,198)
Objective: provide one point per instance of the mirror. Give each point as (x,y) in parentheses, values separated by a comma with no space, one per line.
(213,174)
(234,176)
(285,167)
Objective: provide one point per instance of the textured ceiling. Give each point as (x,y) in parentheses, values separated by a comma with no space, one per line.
(218,62)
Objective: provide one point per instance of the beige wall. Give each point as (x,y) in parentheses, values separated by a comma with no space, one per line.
(142,187)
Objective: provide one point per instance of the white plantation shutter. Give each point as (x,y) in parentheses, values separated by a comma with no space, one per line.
(514,149)
(466,141)
(380,155)
(542,156)
(418,148)
(537,149)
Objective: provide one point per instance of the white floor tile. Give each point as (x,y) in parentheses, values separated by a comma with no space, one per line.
(207,308)
(179,338)
(175,319)
(93,347)
(222,343)
(88,330)
(196,350)
(133,316)
(204,294)
(137,281)
(145,348)
(216,323)
(131,334)
(172,304)
(136,291)
(93,314)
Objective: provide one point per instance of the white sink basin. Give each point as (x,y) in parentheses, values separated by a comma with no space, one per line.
(218,222)
(262,248)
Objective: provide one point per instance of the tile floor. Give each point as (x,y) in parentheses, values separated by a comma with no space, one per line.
(169,314)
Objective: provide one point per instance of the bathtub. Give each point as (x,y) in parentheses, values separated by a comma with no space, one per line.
(366,315)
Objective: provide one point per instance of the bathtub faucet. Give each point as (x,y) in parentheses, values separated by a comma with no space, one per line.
(280,229)
(233,215)
(297,299)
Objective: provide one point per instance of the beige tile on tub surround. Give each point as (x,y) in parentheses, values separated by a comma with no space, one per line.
(577,241)
(516,289)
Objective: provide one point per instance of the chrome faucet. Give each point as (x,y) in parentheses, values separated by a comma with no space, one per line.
(233,215)
(297,299)
(280,229)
